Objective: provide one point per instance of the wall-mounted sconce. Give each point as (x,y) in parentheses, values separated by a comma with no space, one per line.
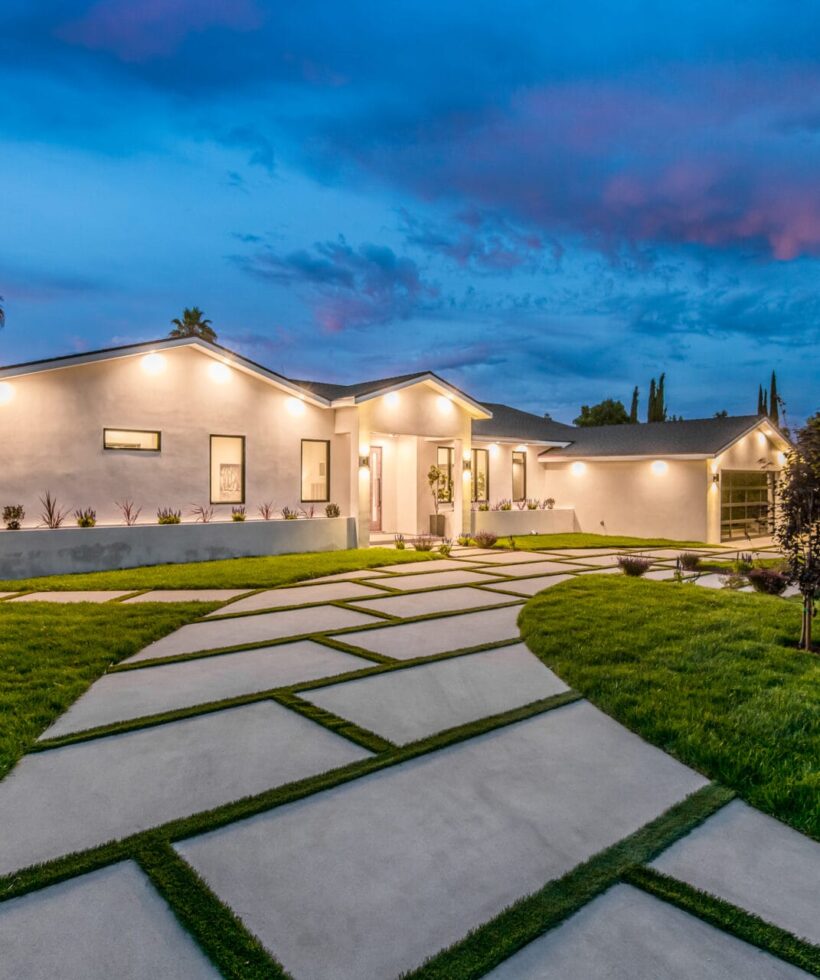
(364,462)
(466,465)
(716,478)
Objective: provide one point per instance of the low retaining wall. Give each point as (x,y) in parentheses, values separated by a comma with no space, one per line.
(27,553)
(504,522)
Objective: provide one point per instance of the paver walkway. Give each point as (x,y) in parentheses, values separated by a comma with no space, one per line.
(422,830)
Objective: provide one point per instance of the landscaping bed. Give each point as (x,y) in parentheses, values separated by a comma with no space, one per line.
(713,677)
(549,542)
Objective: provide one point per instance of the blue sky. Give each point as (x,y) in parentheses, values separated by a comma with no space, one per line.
(547,203)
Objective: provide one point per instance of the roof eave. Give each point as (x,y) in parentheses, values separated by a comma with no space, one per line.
(473,408)
(550,457)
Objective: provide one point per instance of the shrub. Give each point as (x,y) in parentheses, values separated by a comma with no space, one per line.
(464,540)
(202,513)
(238,513)
(744,563)
(532,504)
(333,510)
(505,505)
(399,539)
(267,510)
(485,539)
(128,511)
(634,565)
(548,504)
(445,547)
(52,515)
(309,512)
(13,515)
(768,580)
(689,561)
(484,507)
(423,542)
(167,516)
(86,518)
(289,514)
(733,581)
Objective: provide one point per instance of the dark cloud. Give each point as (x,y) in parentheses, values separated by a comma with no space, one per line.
(259,146)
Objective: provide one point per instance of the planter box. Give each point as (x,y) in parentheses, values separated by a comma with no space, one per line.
(505,522)
(438,524)
(26,553)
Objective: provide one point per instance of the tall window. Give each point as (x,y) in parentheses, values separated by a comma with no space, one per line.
(315,470)
(227,469)
(519,475)
(444,461)
(480,476)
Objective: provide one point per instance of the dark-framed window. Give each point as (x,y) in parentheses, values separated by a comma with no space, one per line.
(315,471)
(444,461)
(746,503)
(480,476)
(135,440)
(227,467)
(519,475)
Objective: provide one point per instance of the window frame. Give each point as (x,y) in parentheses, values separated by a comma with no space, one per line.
(316,500)
(225,435)
(523,455)
(450,466)
(474,498)
(131,449)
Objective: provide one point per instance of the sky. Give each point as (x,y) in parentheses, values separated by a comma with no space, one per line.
(547,204)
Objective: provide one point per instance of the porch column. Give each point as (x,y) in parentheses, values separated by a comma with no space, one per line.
(360,475)
(462,504)
(712,503)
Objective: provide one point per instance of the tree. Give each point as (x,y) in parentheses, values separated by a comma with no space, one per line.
(2,313)
(722,414)
(607,412)
(633,410)
(797,520)
(656,409)
(774,407)
(653,397)
(192,324)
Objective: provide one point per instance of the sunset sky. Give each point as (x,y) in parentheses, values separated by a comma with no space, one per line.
(547,203)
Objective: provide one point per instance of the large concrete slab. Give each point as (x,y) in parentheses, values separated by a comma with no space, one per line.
(344,576)
(110,923)
(187,595)
(134,693)
(370,878)
(299,595)
(5,595)
(602,561)
(431,636)
(75,797)
(463,576)
(415,567)
(510,557)
(712,581)
(405,705)
(99,596)
(610,570)
(626,934)
(251,629)
(537,568)
(581,552)
(530,586)
(753,861)
(423,603)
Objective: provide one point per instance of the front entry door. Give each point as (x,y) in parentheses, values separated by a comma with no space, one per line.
(375,488)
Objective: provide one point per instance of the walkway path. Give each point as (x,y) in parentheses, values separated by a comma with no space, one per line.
(364,770)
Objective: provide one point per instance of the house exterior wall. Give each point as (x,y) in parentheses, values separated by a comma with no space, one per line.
(500,460)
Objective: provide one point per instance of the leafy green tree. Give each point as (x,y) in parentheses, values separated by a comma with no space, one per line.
(607,412)
(797,520)
(774,401)
(193,324)
(633,410)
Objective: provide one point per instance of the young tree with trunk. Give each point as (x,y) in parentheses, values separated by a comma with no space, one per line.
(797,520)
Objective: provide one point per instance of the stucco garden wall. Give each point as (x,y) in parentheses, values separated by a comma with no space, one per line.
(504,522)
(27,553)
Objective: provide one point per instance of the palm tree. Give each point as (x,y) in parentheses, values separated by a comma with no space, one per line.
(192,324)
(2,312)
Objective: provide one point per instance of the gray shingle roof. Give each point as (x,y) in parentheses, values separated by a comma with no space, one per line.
(512,423)
(333,391)
(693,437)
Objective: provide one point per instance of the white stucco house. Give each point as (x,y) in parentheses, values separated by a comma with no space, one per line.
(182,423)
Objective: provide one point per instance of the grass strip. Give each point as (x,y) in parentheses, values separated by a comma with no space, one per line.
(575,539)
(221,935)
(81,862)
(341,726)
(730,918)
(490,944)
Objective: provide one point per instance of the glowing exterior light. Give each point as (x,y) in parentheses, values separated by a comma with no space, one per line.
(219,372)
(153,364)
(391,399)
(494,449)
(578,468)
(761,439)
(521,449)
(781,457)
(659,467)
(6,392)
(444,404)
(295,407)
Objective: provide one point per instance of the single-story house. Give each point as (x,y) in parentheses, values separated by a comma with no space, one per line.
(183,423)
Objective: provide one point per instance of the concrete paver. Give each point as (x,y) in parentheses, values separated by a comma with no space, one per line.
(383,871)
(431,636)
(419,567)
(81,795)
(537,568)
(110,923)
(460,576)
(597,560)
(406,705)
(251,629)
(424,603)
(626,934)
(530,586)
(299,595)
(5,595)
(100,596)
(510,557)
(186,595)
(134,693)
(756,862)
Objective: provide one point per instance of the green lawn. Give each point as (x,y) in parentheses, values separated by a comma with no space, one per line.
(531,542)
(50,654)
(232,573)
(714,678)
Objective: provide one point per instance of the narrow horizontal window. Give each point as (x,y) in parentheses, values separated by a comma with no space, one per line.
(142,440)
(315,471)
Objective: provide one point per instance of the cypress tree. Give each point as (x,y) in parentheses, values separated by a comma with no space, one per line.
(633,411)
(765,410)
(760,399)
(660,408)
(650,408)
(774,408)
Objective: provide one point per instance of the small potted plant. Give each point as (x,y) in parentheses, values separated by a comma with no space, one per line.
(437,481)
(238,513)
(13,515)
(333,510)
(165,515)
(86,518)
